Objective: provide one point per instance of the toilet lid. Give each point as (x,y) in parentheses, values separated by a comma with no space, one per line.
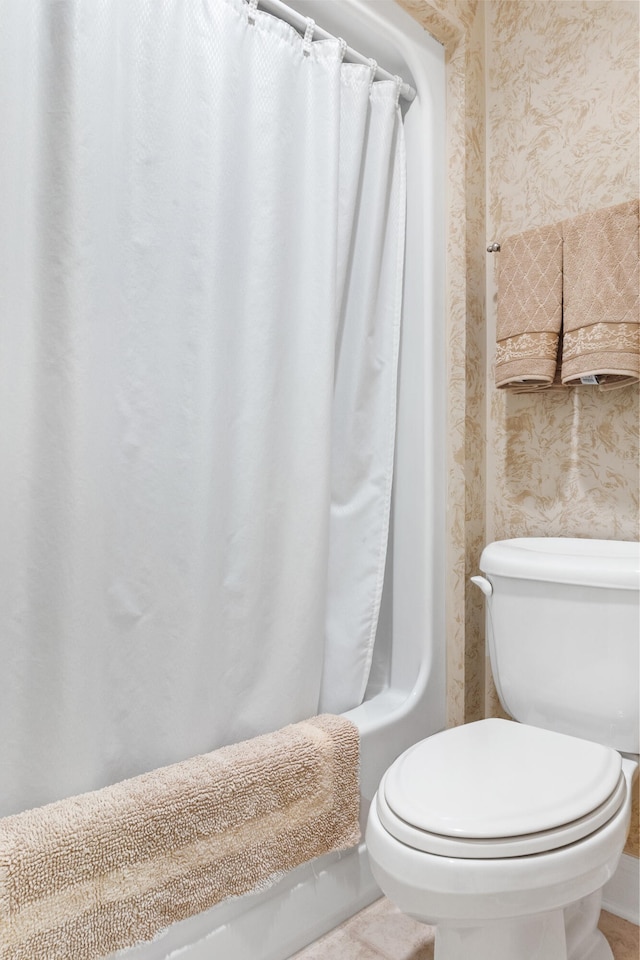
(497,778)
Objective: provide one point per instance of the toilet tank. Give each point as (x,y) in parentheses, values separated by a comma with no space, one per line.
(563,631)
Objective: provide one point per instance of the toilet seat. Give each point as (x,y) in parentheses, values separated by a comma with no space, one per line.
(519,846)
(496,789)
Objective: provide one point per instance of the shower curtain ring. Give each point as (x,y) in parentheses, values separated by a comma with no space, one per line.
(251,12)
(308,36)
(343,48)
(373,66)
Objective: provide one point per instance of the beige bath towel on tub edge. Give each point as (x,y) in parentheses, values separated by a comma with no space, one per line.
(93,874)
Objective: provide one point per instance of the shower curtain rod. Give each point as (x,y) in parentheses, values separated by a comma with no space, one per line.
(300,22)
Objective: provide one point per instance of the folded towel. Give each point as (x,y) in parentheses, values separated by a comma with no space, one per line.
(529,309)
(601,338)
(97,873)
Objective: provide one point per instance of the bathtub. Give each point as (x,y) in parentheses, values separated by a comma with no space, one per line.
(406,696)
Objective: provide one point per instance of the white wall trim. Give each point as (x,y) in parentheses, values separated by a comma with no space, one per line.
(621,894)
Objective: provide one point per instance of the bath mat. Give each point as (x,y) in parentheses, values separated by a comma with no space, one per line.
(529,309)
(601,341)
(96,873)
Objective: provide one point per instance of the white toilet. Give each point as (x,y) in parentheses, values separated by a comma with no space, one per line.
(501,833)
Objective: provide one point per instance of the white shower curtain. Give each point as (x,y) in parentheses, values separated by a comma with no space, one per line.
(202,229)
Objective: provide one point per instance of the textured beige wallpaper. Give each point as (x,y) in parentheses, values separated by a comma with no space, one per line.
(562,139)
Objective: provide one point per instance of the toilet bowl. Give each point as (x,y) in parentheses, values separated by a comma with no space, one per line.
(499,895)
(500,833)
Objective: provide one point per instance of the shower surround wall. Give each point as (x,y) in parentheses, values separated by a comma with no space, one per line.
(543,125)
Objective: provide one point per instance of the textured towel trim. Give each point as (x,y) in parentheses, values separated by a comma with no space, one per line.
(533,352)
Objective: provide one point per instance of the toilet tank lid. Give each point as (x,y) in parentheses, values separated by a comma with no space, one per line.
(595,563)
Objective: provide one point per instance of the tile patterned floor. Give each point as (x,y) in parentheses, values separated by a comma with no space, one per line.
(381,932)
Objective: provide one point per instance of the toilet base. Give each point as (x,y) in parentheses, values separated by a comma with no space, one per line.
(569,934)
(599,949)
(584,940)
(540,937)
